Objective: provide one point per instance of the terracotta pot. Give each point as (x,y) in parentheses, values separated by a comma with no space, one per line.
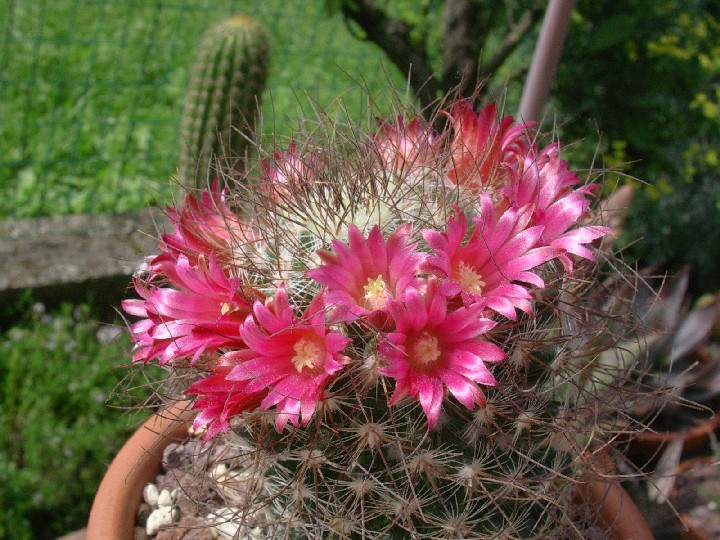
(112,516)
(614,510)
(117,501)
(646,447)
(618,515)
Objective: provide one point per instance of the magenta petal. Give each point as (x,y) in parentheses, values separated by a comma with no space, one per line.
(364,275)
(430,395)
(486,351)
(465,391)
(434,347)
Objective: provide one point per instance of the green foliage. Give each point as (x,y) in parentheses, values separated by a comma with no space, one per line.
(496,21)
(79,117)
(226,88)
(89,119)
(679,223)
(57,434)
(645,75)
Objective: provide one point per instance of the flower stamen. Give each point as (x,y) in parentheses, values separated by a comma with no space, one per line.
(469,279)
(308,355)
(376,293)
(426,349)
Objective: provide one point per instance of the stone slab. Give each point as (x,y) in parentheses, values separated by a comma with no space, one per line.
(76,258)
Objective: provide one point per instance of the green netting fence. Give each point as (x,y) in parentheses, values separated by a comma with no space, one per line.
(91,91)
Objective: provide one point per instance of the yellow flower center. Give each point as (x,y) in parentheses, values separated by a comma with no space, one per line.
(426,349)
(376,293)
(224,308)
(468,278)
(308,354)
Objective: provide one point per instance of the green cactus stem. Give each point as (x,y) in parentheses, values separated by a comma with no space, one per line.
(222,103)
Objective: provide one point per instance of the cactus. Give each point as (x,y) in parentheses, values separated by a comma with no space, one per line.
(339,337)
(227,81)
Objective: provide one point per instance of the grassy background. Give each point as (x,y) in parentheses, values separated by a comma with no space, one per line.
(91,91)
(90,98)
(57,432)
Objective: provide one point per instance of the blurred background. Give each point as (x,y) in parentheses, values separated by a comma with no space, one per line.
(91,95)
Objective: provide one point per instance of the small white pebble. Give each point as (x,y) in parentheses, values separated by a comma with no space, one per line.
(164,498)
(227,530)
(222,524)
(150,495)
(233,485)
(219,470)
(159,518)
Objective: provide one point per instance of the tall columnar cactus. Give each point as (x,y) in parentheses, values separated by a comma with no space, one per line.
(226,85)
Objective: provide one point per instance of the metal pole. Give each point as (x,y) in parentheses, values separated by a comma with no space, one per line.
(545,59)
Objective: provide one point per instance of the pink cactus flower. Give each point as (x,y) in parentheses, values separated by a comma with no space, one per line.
(487,267)
(549,188)
(203,314)
(220,399)
(483,150)
(292,358)
(402,146)
(433,349)
(365,274)
(204,225)
(287,170)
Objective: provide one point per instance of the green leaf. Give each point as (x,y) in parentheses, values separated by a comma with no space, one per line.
(611,33)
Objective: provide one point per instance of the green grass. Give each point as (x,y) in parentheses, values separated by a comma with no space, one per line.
(57,433)
(91,92)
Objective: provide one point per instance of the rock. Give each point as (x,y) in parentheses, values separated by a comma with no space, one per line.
(173,456)
(194,495)
(150,495)
(165,498)
(162,517)
(167,481)
(143,512)
(222,522)
(76,258)
(188,528)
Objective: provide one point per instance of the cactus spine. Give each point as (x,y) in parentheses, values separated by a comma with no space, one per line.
(226,84)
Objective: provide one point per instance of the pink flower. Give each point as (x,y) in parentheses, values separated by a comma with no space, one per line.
(433,349)
(403,146)
(221,399)
(484,150)
(202,226)
(548,187)
(486,267)
(288,170)
(201,316)
(292,358)
(365,274)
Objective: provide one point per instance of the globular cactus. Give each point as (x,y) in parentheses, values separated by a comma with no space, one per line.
(407,340)
(226,85)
